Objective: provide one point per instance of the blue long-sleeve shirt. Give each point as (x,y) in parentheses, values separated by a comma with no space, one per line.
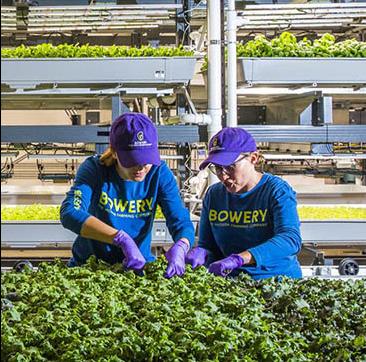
(263,221)
(99,191)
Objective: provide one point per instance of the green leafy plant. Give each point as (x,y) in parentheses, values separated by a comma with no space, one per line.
(91,51)
(52,212)
(328,213)
(41,212)
(287,45)
(102,313)
(30,212)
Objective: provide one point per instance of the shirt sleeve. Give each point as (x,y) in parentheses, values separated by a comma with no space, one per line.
(286,240)
(177,216)
(74,209)
(206,238)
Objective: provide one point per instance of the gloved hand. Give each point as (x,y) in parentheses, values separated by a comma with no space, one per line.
(225,266)
(133,258)
(176,259)
(196,257)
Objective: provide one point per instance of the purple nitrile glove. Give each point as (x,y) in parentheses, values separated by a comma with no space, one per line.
(196,257)
(225,266)
(133,258)
(176,259)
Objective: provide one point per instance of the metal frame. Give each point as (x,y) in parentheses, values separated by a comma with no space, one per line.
(90,134)
(76,98)
(333,231)
(308,134)
(30,234)
(336,156)
(185,133)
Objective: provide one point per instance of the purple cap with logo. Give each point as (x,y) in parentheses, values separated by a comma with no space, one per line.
(135,139)
(226,146)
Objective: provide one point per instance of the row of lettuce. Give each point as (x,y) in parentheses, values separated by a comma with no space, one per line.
(285,45)
(101,313)
(52,212)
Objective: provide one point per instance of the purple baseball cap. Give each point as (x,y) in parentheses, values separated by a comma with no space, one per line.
(135,139)
(226,146)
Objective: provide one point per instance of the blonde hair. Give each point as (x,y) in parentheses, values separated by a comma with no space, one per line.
(107,158)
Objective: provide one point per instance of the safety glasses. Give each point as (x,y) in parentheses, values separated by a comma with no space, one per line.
(227,170)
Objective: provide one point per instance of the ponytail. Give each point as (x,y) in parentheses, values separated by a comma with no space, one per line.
(260,163)
(107,158)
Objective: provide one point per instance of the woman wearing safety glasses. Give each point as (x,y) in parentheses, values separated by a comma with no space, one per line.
(249,221)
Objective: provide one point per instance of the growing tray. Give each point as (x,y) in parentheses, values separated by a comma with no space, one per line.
(29,73)
(43,233)
(283,72)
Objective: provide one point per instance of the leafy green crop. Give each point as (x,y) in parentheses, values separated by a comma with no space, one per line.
(41,212)
(327,213)
(49,212)
(30,212)
(100,313)
(286,45)
(90,51)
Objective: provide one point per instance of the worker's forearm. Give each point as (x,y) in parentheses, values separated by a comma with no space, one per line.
(247,257)
(186,241)
(95,229)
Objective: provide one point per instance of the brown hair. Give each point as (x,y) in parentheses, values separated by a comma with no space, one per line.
(107,158)
(259,166)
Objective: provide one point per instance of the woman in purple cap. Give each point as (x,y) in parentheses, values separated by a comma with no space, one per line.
(249,221)
(113,201)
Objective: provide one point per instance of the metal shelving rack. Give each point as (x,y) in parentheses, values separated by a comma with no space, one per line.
(162,73)
(27,81)
(343,20)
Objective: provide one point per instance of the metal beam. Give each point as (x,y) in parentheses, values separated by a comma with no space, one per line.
(88,134)
(185,133)
(31,234)
(308,134)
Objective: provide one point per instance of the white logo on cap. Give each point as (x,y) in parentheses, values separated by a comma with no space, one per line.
(140,136)
(215,145)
